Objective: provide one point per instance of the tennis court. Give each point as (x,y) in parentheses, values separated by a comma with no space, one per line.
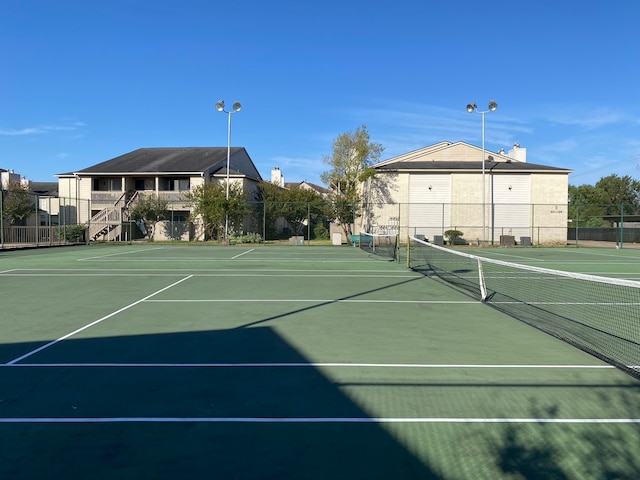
(163,361)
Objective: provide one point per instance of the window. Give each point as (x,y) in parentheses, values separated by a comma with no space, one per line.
(107,184)
(183,185)
(175,184)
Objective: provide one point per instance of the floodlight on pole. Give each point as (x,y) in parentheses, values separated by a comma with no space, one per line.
(235,109)
(473,107)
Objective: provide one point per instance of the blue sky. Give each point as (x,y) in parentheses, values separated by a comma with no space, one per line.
(84,81)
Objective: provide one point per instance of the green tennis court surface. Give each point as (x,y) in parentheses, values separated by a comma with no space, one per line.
(154,361)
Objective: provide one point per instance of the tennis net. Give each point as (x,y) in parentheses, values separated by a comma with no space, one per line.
(382,245)
(599,315)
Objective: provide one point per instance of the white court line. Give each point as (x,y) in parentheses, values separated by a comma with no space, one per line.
(47,345)
(600,254)
(299,365)
(178,272)
(529,259)
(315,420)
(99,274)
(291,260)
(329,300)
(243,253)
(117,254)
(600,304)
(9,271)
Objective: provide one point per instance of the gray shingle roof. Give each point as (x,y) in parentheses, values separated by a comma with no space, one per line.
(49,189)
(433,166)
(315,186)
(176,160)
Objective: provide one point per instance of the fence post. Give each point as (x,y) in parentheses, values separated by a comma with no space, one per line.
(36,201)
(49,220)
(621,224)
(577,223)
(264,221)
(1,219)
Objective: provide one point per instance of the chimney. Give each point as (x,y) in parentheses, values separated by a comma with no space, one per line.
(518,153)
(276,177)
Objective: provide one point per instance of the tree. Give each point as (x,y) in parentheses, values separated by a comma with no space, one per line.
(619,191)
(297,205)
(589,204)
(18,203)
(149,209)
(302,205)
(209,203)
(272,196)
(586,207)
(350,162)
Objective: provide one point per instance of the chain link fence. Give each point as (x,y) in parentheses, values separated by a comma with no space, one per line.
(28,219)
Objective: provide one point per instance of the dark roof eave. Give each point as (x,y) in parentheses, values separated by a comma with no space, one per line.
(133,174)
(473,170)
(450,167)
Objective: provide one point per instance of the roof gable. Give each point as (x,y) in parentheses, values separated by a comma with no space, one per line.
(459,156)
(468,166)
(307,185)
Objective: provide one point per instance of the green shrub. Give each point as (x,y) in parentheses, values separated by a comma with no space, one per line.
(454,236)
(321,232)
(72,233)
(248,238)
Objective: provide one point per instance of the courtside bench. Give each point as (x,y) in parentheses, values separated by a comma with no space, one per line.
(356,239)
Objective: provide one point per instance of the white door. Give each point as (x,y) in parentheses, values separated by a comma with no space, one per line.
(511,206)
(429,204)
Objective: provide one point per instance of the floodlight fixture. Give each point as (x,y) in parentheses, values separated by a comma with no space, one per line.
(236,108)
(473,107)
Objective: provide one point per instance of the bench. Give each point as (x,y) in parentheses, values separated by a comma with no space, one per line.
(356,240)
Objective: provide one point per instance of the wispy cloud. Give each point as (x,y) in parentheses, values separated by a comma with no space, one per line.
(562,146)
(24,131)
(12,132)
(414,126)
(589,120)
(296,168)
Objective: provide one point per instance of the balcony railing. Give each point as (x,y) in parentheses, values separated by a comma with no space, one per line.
(105,197)
(109,198)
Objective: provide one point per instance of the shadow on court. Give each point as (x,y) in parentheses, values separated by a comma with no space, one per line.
(596,451)
(176,444)
(165,422)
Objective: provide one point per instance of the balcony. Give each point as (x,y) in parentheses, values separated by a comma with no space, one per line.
(100,200)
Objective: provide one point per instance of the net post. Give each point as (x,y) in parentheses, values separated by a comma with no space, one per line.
(483,286)
(408,251)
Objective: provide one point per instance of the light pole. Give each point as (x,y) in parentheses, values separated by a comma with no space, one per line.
(235,109)
(472,107)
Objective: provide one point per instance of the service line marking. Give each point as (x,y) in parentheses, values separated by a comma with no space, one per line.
(64,337)
(314,420)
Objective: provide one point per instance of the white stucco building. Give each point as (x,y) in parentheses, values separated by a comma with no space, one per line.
(440,187)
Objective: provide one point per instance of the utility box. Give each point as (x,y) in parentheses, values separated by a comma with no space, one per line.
(336,239)
(525,241)
(297,240)
(438,240)
(507,241)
